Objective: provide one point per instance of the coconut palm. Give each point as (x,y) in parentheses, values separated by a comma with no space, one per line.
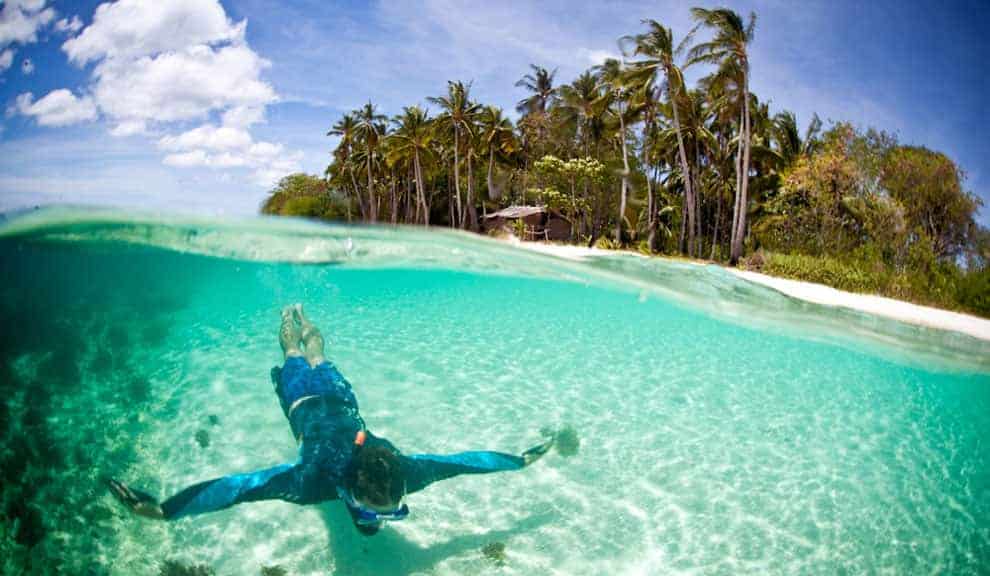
(581,103)
(540,84)
(656,47)
(498,138)
(370,127)
(413,138)
(457,118)
(648,98)
(346,129)
(728,50)
(617,82)
(790,144)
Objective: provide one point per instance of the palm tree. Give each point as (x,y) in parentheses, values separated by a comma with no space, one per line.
(370,127)
(346,129)
(498,138)
(657,48)
(581,103)
(458,117)
(413,137)
(790,144)
(616,81)
(728,49)
(544,94)
(649,98)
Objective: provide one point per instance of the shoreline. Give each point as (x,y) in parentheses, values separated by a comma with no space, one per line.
(891,308)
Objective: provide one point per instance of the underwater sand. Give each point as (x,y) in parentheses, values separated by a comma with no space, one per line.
(725,428)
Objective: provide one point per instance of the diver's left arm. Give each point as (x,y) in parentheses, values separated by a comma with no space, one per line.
(279,482)
(421,470)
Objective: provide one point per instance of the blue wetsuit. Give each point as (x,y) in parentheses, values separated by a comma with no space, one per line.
(326,427)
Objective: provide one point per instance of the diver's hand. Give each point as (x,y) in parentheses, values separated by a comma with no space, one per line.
(140,503)
(537,452)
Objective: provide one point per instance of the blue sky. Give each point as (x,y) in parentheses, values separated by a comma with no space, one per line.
(199,105)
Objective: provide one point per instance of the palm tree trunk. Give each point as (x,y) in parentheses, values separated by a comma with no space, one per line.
(471,211)
(651,214)
(357,194)
(421,193)
(738,190)
(740,233)
(718,216)
(457,179)
(373,210)
(492,194)
(625,178)
(698,202)
(686,174)
(395,204)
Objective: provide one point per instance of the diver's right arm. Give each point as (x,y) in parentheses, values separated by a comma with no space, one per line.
(280,482)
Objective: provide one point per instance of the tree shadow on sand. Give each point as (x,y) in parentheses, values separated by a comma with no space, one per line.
(389,552)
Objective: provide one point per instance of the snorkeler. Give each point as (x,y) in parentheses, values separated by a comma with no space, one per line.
(338,457)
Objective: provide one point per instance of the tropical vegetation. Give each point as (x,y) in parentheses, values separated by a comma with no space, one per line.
(634,157)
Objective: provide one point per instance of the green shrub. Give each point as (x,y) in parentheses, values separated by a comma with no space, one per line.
(934,283)
(973,292)
(303,206)
(822,270)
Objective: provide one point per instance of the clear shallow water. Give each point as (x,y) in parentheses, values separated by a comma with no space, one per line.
(724,427)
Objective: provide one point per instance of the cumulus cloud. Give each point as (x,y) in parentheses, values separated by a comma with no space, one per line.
(57,108)
(208,137)
(20,21)
(161,64)
(212,146)
(135,28)
(182,85)
(70,27)
(598,57)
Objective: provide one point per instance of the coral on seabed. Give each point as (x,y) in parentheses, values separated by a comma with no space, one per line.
(176,568)
(495,551)
(567,441)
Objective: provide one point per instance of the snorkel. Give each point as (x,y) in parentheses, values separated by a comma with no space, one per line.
(363,515)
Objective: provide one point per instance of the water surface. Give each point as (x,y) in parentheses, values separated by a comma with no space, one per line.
(725,428)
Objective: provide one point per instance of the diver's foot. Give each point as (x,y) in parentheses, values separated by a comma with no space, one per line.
(297,311)
(288,312)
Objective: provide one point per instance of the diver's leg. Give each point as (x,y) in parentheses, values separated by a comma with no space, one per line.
(311,337)
(290,333)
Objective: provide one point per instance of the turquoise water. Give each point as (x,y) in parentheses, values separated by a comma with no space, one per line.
(724,428)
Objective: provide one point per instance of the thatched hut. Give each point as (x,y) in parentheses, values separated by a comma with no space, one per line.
(539,223)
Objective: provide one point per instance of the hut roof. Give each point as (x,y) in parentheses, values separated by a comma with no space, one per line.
(517,212)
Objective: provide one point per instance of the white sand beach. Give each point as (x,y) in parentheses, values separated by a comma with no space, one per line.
(817,293)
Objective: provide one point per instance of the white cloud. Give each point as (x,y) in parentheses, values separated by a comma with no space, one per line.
(129,128)
(57,108)
(187,159)
(27,67)
(69,27)
(220,147)
(597,57)
(182,85)
(20,21)
(135,28)
(208,137)
(159,64)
